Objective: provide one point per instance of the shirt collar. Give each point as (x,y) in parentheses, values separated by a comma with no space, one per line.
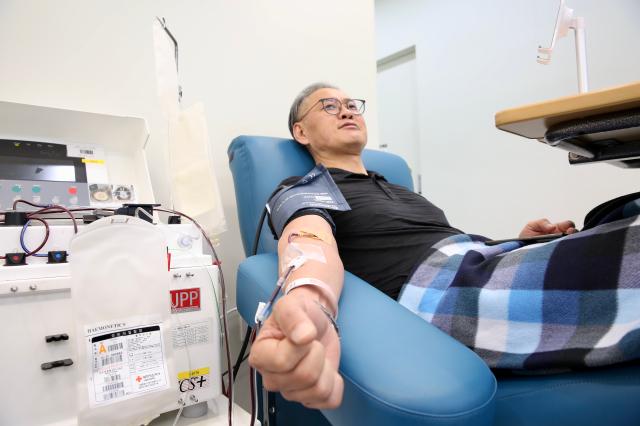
(347,174)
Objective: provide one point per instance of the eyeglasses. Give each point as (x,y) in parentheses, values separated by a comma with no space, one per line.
(333,106)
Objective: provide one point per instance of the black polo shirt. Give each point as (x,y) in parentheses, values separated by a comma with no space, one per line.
(388,230)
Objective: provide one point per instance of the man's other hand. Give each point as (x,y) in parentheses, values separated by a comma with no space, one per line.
(543,227)
(298,352)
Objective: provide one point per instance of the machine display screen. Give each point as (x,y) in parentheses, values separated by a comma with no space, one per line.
(16,168)
(20,160)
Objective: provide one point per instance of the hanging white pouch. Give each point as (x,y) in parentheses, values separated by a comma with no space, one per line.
(120,295)
(194,187)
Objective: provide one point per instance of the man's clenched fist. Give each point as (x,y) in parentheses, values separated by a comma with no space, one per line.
(297,352)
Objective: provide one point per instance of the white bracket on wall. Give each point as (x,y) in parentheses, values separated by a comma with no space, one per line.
(564,22)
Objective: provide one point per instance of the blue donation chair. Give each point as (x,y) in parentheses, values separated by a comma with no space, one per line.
(397,368)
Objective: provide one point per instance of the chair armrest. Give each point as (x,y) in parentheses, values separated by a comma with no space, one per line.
(397,368)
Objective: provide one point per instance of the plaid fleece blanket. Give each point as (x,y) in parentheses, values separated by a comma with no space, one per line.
(572,302)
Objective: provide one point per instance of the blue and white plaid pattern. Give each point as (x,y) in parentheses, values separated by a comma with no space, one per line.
(571,302)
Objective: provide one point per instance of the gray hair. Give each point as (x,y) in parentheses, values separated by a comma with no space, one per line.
(294,112)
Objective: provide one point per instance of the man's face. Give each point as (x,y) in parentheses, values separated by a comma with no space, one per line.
(326,134)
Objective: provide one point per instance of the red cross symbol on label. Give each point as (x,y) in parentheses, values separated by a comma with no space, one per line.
(138,379)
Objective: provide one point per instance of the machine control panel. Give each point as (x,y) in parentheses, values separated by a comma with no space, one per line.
(62,193)
(41,173)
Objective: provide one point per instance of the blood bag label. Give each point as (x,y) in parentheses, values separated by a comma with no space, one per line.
(195,333)
(125,362)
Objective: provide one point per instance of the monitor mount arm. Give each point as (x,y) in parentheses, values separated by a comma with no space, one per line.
(564,22)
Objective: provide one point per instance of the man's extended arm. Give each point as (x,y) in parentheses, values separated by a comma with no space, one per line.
(298,350)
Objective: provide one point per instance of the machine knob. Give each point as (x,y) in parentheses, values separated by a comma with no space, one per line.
(185,241)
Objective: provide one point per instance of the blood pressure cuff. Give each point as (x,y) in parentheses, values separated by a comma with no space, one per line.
(314,193)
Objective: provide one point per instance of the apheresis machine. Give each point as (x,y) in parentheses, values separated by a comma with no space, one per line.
(110,311)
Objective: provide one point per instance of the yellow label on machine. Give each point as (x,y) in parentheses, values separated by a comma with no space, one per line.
(92,161)
(194,373)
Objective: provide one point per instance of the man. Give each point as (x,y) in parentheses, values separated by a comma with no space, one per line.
(386,235)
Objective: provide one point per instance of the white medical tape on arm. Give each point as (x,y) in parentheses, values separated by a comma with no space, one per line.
(324,288)
(296,250)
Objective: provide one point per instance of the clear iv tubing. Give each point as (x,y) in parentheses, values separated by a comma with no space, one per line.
(186,395)
(267,309)
(263,315)
(183,400)
(44,241)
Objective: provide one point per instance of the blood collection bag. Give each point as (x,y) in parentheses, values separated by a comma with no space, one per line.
(122,309)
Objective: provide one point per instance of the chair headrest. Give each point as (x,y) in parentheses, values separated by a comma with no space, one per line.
(259,163)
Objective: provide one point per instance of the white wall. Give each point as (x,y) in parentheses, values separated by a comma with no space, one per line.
(476,58)
(245,59)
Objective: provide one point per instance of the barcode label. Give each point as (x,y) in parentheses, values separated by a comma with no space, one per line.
(114,378)
(112,359)
(85,151)
(127,359)
(112,387)
(111,395)
(115,347)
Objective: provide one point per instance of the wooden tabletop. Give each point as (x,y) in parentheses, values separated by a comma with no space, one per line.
(532,121)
